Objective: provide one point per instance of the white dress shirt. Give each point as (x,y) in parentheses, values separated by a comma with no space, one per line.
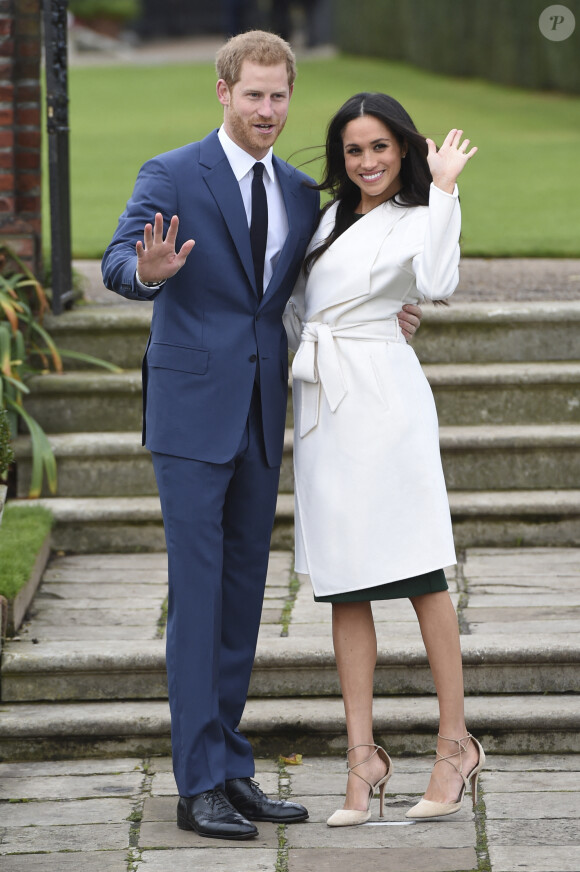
(242,165)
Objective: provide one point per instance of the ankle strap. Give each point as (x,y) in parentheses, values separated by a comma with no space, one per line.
(461,748)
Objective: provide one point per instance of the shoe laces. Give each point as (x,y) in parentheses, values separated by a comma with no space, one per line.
(255,787)
(217,800)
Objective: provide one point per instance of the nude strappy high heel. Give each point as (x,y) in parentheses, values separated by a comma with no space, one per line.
(351,817)
(428,809)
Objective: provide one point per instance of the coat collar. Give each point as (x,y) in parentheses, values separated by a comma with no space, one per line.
(333,280)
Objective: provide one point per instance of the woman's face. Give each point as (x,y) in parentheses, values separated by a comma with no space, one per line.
(372,159)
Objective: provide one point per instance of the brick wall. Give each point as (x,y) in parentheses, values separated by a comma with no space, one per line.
(20,120)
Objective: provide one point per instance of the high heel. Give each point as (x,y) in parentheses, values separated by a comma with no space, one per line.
(351,817)
(428,809)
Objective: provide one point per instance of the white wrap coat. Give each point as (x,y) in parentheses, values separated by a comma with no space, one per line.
(370,499)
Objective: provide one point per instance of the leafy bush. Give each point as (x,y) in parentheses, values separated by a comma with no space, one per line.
(6,451)
(23,304)
(24,344)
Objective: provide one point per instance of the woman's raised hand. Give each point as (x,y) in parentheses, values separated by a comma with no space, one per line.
(157,259)
(447,162)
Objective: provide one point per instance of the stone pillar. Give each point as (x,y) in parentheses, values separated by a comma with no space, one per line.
(20,131)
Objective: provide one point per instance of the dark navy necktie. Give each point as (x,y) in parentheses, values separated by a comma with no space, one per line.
(259,226)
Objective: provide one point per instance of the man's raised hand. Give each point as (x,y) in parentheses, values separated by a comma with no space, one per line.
(157,259)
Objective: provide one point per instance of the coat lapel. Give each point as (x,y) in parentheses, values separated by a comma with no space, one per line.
(343,272)
(225,189)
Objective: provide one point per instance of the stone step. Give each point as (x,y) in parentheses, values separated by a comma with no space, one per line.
(465,394)
(462,332)
(285,668)
(504,724)
(477,458)
(480,518)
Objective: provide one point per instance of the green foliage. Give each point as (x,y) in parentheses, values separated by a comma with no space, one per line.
(6,450)
(22,532)
(115,10)
(23,304)
(499,40)
(520,195)
(26,348)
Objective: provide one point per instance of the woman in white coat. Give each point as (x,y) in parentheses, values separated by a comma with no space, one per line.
(372,515)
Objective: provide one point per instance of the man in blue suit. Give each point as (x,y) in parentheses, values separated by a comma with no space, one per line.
(215,377)
(225,226)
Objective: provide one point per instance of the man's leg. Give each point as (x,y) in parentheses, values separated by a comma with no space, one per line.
(248,519)
(192,499)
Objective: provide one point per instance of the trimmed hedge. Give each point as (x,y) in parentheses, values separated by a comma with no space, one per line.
(499,40)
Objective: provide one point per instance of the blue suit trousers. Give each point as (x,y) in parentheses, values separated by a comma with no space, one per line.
(218,521)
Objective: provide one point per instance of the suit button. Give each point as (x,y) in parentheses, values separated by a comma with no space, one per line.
(252,358)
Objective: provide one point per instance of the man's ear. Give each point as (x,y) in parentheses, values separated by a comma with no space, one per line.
(223,92)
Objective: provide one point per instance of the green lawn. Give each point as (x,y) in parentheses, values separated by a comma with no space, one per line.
(520,195)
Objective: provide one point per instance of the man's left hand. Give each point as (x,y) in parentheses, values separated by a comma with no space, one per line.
(409,320)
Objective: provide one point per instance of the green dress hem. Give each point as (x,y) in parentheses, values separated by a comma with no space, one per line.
(417,585)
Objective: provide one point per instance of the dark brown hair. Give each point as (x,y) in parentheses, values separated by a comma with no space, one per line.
(415,174)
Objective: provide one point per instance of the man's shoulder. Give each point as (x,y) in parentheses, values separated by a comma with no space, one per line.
(176,155)
(192,151)
(293,174)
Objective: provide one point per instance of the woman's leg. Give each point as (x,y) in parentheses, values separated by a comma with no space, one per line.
(440,631)
(355,648)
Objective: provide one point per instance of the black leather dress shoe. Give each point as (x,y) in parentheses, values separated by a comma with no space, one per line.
(245,795)
(211,814)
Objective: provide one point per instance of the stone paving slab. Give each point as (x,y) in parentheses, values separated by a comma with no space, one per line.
(515,629)
(389,859)
(74,591)
(70,767)
(80,837)
(92,861)
(216,857)
(66,811)
(536,858)
(97,575)
(45,632)
(439,834)
(528,805)
(71,786)
(534,832)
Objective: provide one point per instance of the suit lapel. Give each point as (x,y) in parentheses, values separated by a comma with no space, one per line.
(289,192)
(224,187)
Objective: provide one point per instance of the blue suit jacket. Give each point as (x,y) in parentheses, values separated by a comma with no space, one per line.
(209,328)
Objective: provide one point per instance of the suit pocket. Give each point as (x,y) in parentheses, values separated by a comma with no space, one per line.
(178,357)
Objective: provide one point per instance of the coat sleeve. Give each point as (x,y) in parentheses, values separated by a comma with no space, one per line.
(154,191)
(293,316)
(436,267)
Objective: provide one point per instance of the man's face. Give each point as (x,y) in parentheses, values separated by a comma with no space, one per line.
(256,107)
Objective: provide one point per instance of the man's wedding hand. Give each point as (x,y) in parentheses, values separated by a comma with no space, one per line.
(409,320)
(157,259)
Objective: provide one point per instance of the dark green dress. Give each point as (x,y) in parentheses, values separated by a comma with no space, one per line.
(429,582)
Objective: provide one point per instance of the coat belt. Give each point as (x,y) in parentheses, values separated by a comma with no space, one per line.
(317,365)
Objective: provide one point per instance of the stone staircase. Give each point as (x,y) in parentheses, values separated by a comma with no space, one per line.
(506,379)
(87,675)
